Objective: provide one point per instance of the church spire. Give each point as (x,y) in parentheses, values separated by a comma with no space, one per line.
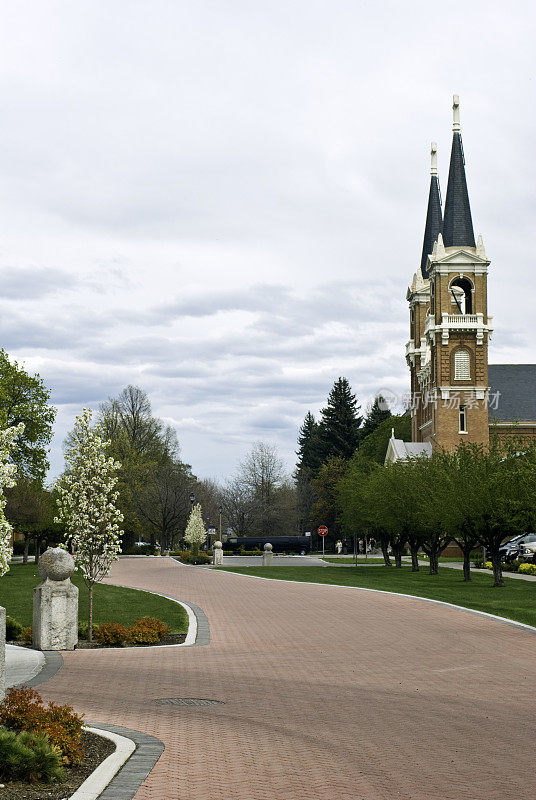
(432,228)
(457,223)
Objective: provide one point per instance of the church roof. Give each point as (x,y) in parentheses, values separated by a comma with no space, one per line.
(434,221)
(516,384)
(457,222)
(398,450)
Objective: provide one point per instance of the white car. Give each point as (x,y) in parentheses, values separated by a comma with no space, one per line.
(527,551)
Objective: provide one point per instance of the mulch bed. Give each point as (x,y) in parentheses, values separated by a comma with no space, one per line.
(96,749)
(83,644)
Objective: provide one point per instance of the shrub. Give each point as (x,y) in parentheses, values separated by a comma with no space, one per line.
(141,550)
(147,630)
(511,566)
(187,557)
(111,634)
(23,710)
(13,628)
(527,569)
(478,564)
(26,635)
(489,565)
(83,629)
(29,756)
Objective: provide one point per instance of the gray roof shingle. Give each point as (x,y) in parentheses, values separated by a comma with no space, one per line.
(434,221)
(516,384)
(457,222)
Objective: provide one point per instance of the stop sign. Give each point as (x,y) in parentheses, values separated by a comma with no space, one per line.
(322,531)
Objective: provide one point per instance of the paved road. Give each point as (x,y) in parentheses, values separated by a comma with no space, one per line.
(329,693)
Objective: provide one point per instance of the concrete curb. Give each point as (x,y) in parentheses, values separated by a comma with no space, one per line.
(96,783)
(53,664)
(504,620)
(135,770)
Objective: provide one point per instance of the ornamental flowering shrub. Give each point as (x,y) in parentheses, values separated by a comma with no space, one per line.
(7,480)
(147,630)
(87,504)
(23,710)
(111,634)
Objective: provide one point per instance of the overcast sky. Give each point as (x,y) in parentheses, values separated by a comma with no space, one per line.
(224,202)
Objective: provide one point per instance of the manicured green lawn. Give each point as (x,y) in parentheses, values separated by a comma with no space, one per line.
(515,600)
(110,603)
(376,560)
(351,560)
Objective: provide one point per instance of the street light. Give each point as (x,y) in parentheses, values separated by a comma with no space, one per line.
(192,500)
(220,509)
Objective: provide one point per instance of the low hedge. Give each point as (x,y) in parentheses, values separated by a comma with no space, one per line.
(186,557)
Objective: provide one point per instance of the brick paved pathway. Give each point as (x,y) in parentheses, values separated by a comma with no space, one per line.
(330,694)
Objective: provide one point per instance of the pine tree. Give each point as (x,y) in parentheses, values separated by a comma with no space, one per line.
(309,452)
(377,414)
(339,427)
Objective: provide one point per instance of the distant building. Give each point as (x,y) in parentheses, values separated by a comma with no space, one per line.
(455,395)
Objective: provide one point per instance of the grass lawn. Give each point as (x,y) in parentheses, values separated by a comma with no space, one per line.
(110,603)
(515,600)
(376,560)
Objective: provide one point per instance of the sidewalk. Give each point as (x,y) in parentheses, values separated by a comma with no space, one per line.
(22,664)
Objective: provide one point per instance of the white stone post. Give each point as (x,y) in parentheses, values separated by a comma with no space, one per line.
(55,603)
(267,556)
(2,652)
(217,554)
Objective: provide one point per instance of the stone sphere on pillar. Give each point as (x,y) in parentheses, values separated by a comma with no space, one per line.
(56,564)
(218,545)
(268,546)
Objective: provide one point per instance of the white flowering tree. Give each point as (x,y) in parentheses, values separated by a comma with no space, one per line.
(87,504)
(195,533)
(8,472)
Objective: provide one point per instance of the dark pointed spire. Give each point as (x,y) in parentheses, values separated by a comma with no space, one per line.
(434,219)
(457,223)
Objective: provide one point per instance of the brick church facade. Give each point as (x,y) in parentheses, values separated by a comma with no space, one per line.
(455,393)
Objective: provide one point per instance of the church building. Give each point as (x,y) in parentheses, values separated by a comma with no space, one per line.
(455,393)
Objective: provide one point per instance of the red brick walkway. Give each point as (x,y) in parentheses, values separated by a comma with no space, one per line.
(330,693)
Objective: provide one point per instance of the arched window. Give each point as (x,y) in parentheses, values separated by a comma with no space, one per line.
(461,296)
(462,365)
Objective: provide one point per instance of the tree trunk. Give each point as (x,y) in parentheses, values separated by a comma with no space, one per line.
(195,550)
(398,556)
(37,547)
(497,569)
(26,548)
(434,562)
(385,554)
(414,549)
(466,565)
(90,615)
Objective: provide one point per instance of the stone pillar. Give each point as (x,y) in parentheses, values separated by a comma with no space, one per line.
(2,652)
(55,603)
(217,554)
(267,556)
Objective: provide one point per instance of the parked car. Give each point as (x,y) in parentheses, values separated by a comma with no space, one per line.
(510,550)
(527,551)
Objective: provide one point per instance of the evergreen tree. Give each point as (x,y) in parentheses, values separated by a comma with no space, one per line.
(378,413)
(309,447)
(339,432)
(374,446)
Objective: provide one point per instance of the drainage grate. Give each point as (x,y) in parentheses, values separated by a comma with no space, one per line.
(188,701)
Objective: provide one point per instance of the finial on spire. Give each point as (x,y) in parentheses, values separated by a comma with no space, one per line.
(433,154)
(456,127)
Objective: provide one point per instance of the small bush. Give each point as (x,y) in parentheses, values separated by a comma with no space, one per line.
(83,629)
(141,550)
(478,564)
(26,636)
(511,566)
(186,557)
(23,710)
(147,630)
(111,634)
(527,569)
(29,756)
(13,628)
(489,565)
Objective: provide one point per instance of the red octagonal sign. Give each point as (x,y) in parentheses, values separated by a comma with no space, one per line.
(322,531)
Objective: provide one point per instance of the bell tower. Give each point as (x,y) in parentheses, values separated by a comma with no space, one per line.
(457,327)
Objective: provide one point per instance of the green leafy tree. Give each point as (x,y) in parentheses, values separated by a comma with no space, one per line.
(24,399)
(326,507)
(339,432)
(374,446)
(30,509)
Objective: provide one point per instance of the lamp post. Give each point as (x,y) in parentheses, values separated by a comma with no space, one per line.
(220,509)
(192,500)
